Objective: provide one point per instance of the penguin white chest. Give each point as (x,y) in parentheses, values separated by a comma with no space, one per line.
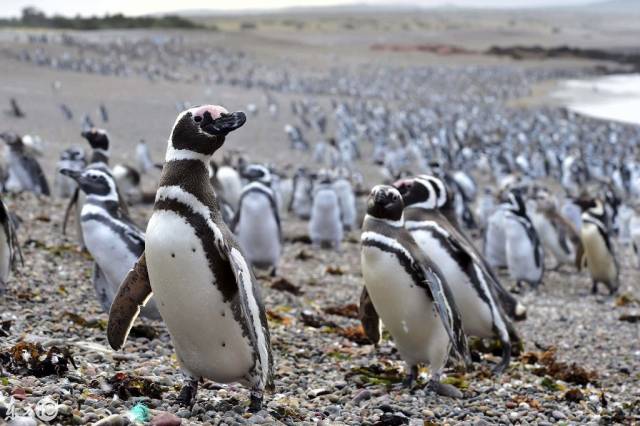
(109,251)
(404,308)
(257,231)
(208,340)
(5,257)
(599,260)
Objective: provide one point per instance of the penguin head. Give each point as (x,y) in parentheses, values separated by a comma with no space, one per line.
(203,129)
(94,182)
(257,173)
(74,154)
(97,138)
(423,191)
(385,202)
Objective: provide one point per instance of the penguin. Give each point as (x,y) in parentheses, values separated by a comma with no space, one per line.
(408,292)
(598,248)
(444,202)
(9,246)
(257,221)
(494,239)
(99,141)
(128,183)
(525,254)
(15,111)
(204,287)
(72,158)
(25,173)
(114,241)
(557,234)
(347,202)
(229,184)
(325,225)
(143,158)
(634,232)
(482,314)
(301,198)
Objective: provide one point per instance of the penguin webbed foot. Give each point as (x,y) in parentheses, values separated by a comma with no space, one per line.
(505,361)
(255,404)
(443,389)
(594,288)
(411,377)
(187,397)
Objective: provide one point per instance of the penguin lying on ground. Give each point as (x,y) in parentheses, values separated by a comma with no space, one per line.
(206,292)
(114,241)
(481,311)
(599,253)
(9,246)
(257,221)
(408,292)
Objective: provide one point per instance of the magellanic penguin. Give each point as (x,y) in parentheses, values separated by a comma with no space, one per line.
(444,202)
(9,246)
(558,235)
(481,311)
(598,248)
(114,241)
(408,292)
(325,225)
(204,287)
(634,231)
(24,171)
(257,221)
(301,196)
(99,159)
(73,159)
(525,254)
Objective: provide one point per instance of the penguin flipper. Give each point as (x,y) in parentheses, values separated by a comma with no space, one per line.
(72,202)
(445,305)
(254,312)
(369,318)
(133,294)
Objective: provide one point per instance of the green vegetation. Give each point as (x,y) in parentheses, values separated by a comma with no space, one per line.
(34,18)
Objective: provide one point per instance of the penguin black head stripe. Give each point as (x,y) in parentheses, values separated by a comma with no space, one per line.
(94,182)
(257,173)
(385,202)
(203,129)
(97,138)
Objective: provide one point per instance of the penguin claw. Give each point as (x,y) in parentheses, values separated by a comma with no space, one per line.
(187,397)
(445,390)
(256,402)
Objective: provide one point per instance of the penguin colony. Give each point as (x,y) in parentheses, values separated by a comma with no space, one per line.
(216,221)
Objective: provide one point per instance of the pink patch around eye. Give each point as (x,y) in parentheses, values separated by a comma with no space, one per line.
(214,110)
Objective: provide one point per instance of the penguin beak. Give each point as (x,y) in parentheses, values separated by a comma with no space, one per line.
(73,174)
(222,125)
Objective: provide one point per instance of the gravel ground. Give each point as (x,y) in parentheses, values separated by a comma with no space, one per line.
(325,373)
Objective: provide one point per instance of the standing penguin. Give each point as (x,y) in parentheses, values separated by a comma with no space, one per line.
(470,284)
(407,292)
(143,157)
(557,234)
(9,246)
(325,226)
(347,201)
(205,290)
(525,255)
(257,221)
(114,241)
(598,249)
(634,232)
(72,159)
(301,195)
(25,173)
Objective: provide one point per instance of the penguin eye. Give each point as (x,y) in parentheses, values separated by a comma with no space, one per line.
(197,118)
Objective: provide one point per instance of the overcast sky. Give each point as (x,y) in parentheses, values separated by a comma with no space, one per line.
(137,7)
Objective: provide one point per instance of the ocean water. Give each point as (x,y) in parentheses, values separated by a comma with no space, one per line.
(614,97)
